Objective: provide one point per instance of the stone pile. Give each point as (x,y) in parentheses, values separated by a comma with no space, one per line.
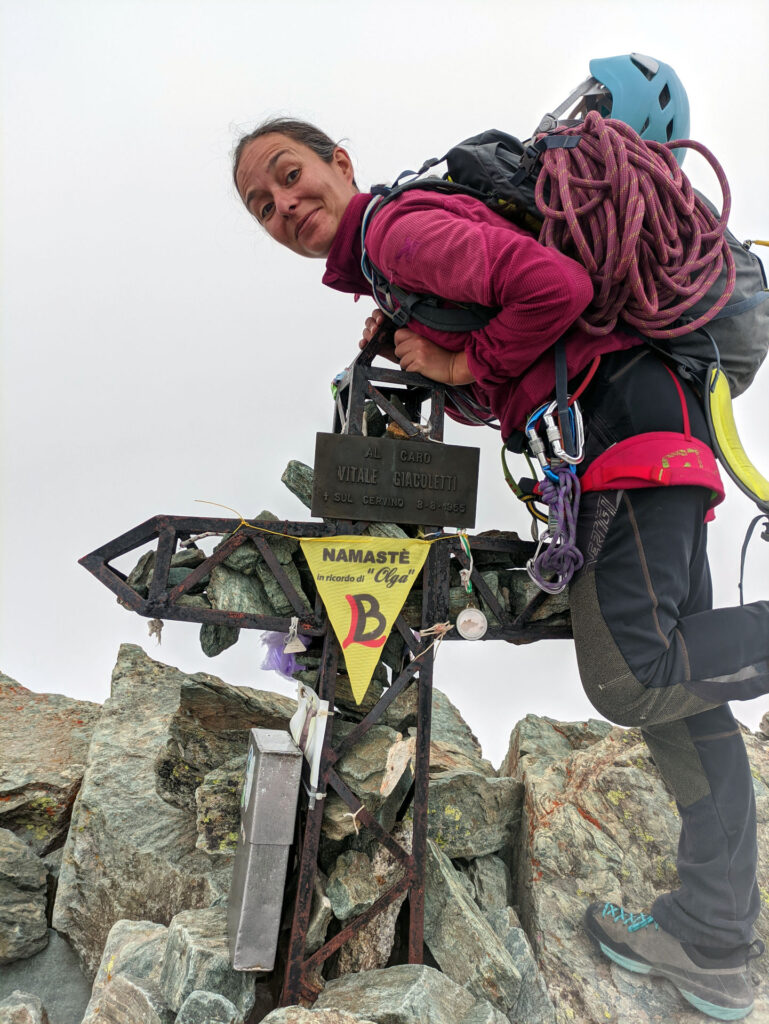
(142,861)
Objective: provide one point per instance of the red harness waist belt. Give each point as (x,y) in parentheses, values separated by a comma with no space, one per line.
(660,458)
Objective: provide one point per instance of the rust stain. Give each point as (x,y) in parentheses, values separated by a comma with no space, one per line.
(589,817)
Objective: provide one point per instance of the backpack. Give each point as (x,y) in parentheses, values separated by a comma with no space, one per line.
(500,171)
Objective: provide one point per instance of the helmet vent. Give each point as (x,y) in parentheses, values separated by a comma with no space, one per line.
(664,98)
(642,66)
(644,126)
(669,130)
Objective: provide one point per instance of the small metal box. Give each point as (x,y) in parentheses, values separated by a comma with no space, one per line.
(268,812)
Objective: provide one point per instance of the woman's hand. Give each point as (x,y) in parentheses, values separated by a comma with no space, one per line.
(418,355)
(372,325)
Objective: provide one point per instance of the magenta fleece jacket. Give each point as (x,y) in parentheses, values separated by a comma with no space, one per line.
(455,247)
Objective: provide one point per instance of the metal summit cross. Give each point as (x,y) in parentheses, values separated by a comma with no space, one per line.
(429,496)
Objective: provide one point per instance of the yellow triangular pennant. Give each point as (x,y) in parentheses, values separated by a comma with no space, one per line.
(363,582)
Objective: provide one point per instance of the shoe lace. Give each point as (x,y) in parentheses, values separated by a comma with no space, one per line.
(634,922)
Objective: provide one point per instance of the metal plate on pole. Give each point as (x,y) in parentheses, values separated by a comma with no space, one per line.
(382,480)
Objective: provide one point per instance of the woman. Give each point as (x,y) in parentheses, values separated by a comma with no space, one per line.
(651,650)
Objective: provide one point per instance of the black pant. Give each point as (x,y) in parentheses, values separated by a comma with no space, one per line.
(653,653)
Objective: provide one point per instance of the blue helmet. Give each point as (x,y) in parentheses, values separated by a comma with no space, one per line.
(641,91)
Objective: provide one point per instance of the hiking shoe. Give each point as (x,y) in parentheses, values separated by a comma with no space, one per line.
(721,987)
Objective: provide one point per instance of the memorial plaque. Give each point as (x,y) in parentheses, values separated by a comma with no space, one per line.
(382,480)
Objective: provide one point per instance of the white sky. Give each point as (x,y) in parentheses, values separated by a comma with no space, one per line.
(157,349)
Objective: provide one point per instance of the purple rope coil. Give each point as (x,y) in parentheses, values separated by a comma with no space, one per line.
(624,209)
(560,556)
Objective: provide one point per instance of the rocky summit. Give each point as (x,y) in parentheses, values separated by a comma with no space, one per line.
(118,825)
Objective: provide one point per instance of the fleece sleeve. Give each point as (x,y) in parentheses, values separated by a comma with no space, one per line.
(463,252)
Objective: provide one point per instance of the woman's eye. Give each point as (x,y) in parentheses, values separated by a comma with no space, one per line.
(266,210)
(292,176)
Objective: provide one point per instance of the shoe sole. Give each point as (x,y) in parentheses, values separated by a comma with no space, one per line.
(639,967)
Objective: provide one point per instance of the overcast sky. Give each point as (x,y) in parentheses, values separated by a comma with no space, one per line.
(156,348)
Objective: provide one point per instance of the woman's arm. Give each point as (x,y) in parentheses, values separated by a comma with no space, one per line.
(455,248)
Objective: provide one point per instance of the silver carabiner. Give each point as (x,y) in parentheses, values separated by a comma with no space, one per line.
(555,439)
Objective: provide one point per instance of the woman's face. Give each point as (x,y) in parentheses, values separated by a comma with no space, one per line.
(295,195)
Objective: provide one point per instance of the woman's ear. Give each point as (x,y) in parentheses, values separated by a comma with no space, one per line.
(343,162)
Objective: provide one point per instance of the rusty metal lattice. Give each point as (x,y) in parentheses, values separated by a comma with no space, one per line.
(400,397)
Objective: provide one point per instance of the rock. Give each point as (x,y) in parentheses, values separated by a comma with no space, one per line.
(460,939)
(362,769)
(600,825)
(233,592)
(133,948)
(320,914)
(521,589)
(492,883)
(351,885)
(299,1015)
(52,864)
(409,994)
(182,563)
(54,976)
(298,478)
(247,557)
(209,728)
(763,728)
(458,599)
(197,957)
(536,742)
(130,1000)
(471,816)
(217,799)
(215,638)
(130,854)
(208,1008)
(23,924)
(534,1004)
(22,1008)
(45,738)
(274,591)
(449,733)
(371,946)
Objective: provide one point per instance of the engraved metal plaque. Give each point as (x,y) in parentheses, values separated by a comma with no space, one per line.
(382,480)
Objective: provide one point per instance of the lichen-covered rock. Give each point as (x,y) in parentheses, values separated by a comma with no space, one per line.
(208,1008)
(43,751)
(197,958)
(471,816)
(217,799)
(599,824)
(129,854)
(215,637)
(210,727)
(518,589)
(134,948)
(22,1008)
(409,994)
(23,924)
(320,914)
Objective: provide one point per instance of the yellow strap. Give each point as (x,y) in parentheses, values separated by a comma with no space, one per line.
(729,448)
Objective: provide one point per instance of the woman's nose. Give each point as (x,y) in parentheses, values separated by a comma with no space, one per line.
(285,205)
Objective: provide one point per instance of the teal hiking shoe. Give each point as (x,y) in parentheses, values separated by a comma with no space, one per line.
(719,987)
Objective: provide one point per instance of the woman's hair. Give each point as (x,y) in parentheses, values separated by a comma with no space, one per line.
(300,131)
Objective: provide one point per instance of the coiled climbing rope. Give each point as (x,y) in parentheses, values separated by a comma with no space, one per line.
(623,208)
